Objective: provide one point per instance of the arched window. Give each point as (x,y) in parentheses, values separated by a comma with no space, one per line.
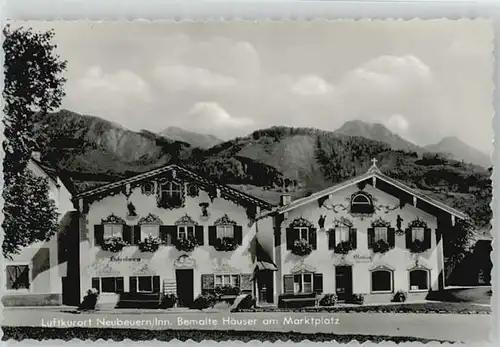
(419,279)
(381,281)
(361,203)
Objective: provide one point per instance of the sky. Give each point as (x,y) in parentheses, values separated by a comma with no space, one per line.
(423,79)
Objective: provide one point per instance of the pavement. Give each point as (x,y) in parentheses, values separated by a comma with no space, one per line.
(451,327)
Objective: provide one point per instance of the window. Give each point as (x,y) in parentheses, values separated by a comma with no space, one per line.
(341,234)
(144,284)
(185,231)
(18,277)
(148,188)
(225,231)
(108,284)
(303,233)
(303,283)
(417,234)
(419,279)
(361,203)
(227,280)
(113,230)
(171,190)
(150,230)
(380,233)
(381,281)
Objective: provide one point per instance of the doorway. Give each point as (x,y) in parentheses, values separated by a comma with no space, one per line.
(265,286)
(185,283)
(343,282)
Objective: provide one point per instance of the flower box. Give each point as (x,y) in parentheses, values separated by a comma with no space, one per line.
(380,246)
(225,244)
(343,247)
(417,246)
(149,244)
(186,244)
(301,247)
(113,244)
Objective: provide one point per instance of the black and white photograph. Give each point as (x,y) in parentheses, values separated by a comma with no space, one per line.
(248,180)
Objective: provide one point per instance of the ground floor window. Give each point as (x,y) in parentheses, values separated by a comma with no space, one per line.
(381,281)
(303,283)
(419,279)
(18,277)
(108,284)
(232,280)
(144,284)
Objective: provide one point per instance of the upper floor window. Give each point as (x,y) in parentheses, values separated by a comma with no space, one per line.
(361,203)
(17,277)
(113,230)
(303,233)
(417,233)
(418,236)
(170,195)
(301,229)
(148,188)
(341,234)
(185,231)
(225,231)
(150,230)
(380,233)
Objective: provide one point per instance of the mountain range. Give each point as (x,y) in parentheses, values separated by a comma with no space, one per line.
(94,151)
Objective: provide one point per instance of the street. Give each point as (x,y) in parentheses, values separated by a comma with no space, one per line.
(453,327)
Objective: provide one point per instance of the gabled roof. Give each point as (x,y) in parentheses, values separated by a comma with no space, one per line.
(372,172)
(180,172)
(53,175)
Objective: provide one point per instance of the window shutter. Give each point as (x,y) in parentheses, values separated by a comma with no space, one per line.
(212,235)
(127,233)
(408,238)
(156,284)
(119,284)
(171,234)
(353,237)
(207,282)
(98,234)
(291,235)
(318,283)
(133,284)
(390,237)
(331,239)
(238,234)
(96,283)
(198,234)
(371,237)
(164,236)
(288,284)
(11,275)
(427,238)
(313,238)
(137,234)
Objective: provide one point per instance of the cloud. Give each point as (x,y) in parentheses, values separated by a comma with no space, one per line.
(179,78)
(123,83)
(210,117)
(311,85)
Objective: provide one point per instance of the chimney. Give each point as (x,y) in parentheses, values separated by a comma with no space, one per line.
(36,155)
(285,199)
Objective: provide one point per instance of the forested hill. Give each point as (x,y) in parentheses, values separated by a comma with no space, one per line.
(301,160)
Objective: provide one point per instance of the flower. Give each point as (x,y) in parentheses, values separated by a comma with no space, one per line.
(301,247)
(380,246)
(113,244)
(186,244)
(225,244)
(149,244)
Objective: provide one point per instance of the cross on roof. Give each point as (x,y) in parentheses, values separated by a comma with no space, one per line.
(374,162)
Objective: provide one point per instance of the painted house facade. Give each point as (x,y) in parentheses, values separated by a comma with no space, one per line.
(35,276)
(371,235)
(167,231)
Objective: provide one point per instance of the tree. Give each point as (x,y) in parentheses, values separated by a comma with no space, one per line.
(33,85)
(457,244)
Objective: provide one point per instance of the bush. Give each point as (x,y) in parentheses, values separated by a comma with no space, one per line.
(301,247)
(89,300)
(357,299)
(168,301)
(400,296)
(328,300)
(247,303)
(204,300)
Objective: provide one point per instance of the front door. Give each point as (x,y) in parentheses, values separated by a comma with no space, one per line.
(343,282)
(265,286)
(185,290)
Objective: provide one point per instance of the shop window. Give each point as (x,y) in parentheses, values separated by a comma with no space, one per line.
(18,277)
(381,281)
(419,279)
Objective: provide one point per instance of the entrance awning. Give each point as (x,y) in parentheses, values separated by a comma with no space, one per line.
(264,265)
(264,260)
